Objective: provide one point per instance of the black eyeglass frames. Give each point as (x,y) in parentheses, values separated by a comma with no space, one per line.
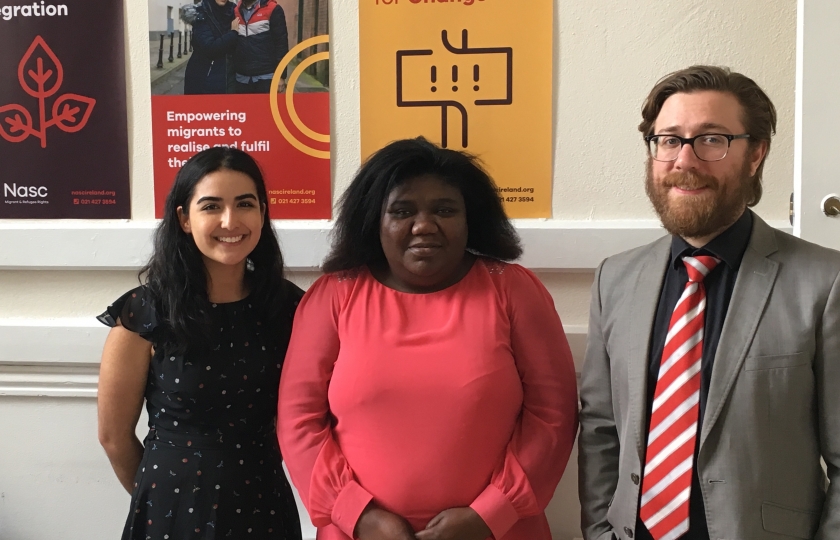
(707,146)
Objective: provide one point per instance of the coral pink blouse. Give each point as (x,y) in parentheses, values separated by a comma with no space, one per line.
(423,402)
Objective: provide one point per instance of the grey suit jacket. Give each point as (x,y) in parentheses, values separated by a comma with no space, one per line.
(774,399)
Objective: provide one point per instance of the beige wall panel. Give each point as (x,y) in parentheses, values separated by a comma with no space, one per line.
(610,56)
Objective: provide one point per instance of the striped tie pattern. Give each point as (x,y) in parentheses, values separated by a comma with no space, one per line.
(666,486)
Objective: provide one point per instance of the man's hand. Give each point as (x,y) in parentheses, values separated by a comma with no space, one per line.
(234,24)
(456,524)
(378,524)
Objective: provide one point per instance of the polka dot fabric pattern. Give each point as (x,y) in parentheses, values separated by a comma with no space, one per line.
(211,466)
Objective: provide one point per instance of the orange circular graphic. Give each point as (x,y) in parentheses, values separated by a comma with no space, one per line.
(290,104)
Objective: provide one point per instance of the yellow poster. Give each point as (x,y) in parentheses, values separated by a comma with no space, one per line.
(472,75)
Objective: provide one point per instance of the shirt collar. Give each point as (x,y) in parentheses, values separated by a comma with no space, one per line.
(729,246)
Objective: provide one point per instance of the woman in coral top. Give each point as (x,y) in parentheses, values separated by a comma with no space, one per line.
(428,389)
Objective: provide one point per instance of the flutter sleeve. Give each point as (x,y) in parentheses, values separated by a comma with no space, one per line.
(134,311)
(526,476)
(325,481)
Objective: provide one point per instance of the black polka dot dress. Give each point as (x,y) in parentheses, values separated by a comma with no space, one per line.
(211,467)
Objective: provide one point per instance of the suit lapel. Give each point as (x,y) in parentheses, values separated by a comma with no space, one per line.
(752,289)
(645,299)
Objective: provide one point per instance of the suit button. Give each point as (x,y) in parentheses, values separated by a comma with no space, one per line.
(629,532)
(635,478)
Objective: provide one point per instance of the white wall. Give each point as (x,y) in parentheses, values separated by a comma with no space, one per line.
(157,14)
(54,480)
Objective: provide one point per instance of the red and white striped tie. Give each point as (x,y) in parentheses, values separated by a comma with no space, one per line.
(673,422)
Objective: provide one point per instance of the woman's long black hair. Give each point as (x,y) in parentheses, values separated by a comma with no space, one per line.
(356,240)
(176,276)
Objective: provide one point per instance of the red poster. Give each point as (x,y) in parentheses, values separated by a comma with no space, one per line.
(252,75)
(63,128)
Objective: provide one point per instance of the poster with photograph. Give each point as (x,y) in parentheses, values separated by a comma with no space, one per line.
(471,75)
(63,126)
(250,74)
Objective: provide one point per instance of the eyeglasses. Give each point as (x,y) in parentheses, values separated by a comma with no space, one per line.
(707,147)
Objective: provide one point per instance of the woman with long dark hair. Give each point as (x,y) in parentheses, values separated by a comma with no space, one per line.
(215,30)
(429,391)
(202,341)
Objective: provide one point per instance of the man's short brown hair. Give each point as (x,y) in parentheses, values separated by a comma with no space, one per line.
(759,114)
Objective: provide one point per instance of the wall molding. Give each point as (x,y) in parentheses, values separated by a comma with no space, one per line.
(60,357)
(75,380)
(58,341)
(50,357)
(553,245)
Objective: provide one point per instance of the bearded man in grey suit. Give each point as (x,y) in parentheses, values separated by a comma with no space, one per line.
(711,386)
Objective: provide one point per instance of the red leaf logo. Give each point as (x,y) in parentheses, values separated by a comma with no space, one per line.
(71,112)
(40,74)
(15,123)
(41,66)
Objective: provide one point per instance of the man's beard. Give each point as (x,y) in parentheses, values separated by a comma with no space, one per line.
(701,215)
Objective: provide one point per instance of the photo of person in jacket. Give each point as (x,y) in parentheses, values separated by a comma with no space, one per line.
(263,41)
(214,39)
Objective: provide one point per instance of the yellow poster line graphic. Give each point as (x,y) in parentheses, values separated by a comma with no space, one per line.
(290,105)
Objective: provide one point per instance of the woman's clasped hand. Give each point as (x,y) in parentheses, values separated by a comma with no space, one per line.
(454,524)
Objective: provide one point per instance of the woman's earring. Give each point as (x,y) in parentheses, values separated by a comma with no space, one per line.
(249,264)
